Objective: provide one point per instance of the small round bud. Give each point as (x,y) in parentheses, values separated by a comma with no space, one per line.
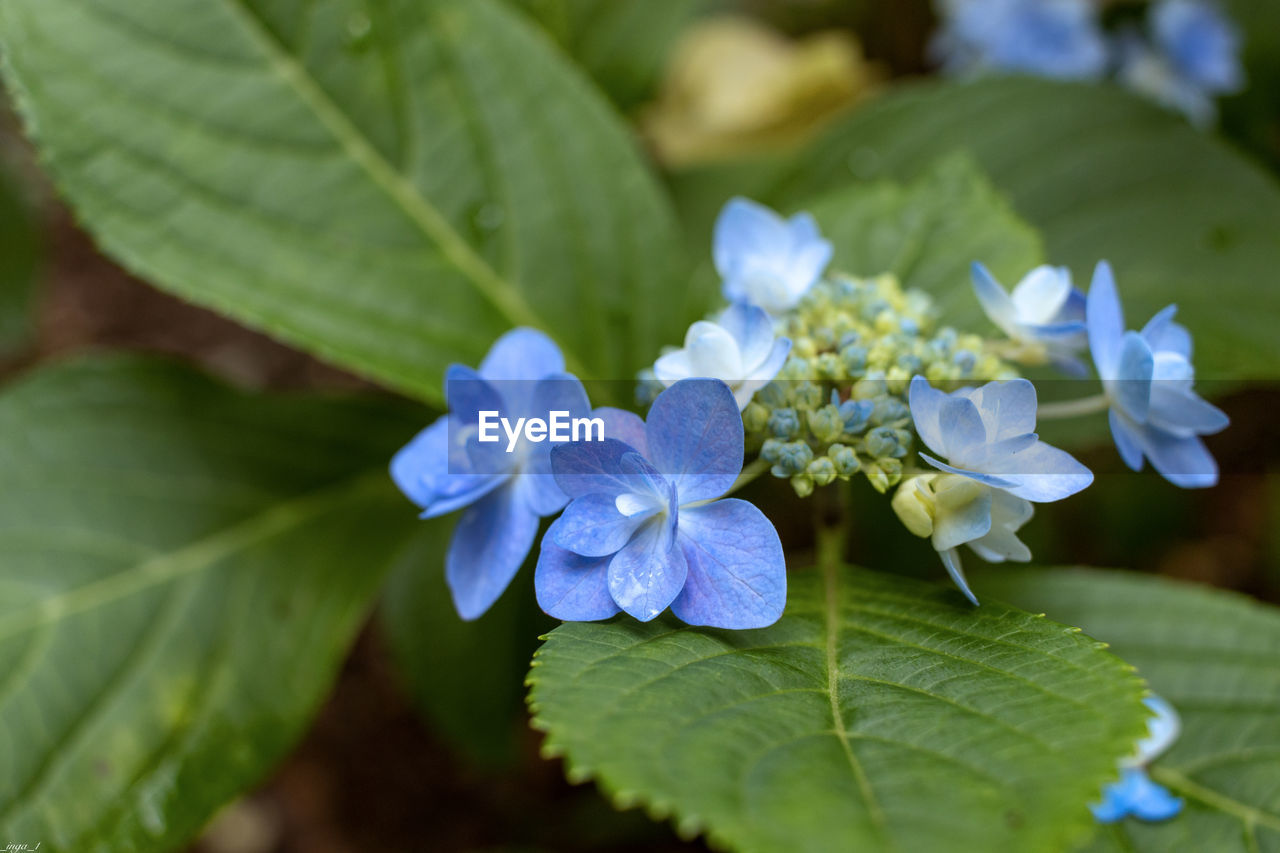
(755,417)
(784,423)
(885,442)
(822,470)
(844,459)
(807,395)
(793,457)
(826,424)
(803,484)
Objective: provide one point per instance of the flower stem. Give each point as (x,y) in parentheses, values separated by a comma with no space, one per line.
(749,473)
(1074,408)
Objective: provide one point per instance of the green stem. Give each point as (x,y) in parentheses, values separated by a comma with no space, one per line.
(749,473)
(1074,408)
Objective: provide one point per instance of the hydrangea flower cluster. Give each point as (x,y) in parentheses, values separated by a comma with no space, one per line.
(1188,55)
(821,377)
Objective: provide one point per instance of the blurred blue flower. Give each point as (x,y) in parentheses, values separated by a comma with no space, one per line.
(644,531)
(1135,794)
(1193,56)
(1147,377)
(445,467)
(766,260)
(1050,38)
(1044,312)
(987,435)
(739,347)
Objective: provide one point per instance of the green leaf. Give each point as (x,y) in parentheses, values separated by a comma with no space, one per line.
(389,184)
(1101,174)
(928,233)
(19,263)
(182,570)
(878,714)
(622,44)
(466,677)
(1216,657)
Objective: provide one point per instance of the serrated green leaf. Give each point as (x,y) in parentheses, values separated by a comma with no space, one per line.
(389,184)
(466,677)
(878,714)
(1216,657)
(182,569)
(1101,174)
(928,233)
(622,44)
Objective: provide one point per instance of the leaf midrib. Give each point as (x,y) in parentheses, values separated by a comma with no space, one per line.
(194,557)
(507,299)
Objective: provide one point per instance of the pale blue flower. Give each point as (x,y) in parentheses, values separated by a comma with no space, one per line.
(1135,794)
(766,260)
(1049,38)
(987,437)
(739,348)
(644,530)
(1147,377)
(1195,56)
(446,468)
(1044,312)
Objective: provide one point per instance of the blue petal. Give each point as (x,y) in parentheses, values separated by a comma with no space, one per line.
(979,476)
(591,467)
(1163,728)
(1182,412)
(961,426)
(557,393)
(469,394)
(964,524)
(951,560)
(647,575)
(1125,436)
(1008,408)
(1182,460)
(996,303)
(1041,473)
(627,427)
(752,328)
(745,229)
(695,438)
(489,544)
(592,526)
(522,353)
(1130,387)
(1164,335)
(1105,320)
(926,407)
(572,587)
(737,573)
(1135,794)
(421,470)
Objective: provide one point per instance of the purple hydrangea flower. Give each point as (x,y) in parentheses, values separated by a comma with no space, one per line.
(1135,794)
(644,530)
(1050,38)
(739,348)
(766,260)
(446,468)
(1044,311)
(1147,377)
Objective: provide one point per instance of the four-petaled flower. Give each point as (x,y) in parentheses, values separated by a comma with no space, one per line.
(1147,378)
(738,347)
(1044,312)
(987,435)
(766,260)
(644,530)
(445,467)
(1053,38)
(1135,794)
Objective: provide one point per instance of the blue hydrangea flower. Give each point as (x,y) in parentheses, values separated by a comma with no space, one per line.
(1135,794)
(1044,312)
(446,468)
(1195,57)
(1050,38)
(644,530)
(766,260)
(1147,377)
(739,348)
(987,435)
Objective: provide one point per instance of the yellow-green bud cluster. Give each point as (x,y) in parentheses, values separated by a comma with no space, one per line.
(839,407)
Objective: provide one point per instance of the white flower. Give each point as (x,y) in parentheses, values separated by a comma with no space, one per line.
(738,347)
(1044,312)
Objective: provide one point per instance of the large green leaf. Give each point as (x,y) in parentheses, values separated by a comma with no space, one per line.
(623,44)
(387,183)
(929,232)
(182,569)
(1216,657)
(879,714)
(1101,174)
